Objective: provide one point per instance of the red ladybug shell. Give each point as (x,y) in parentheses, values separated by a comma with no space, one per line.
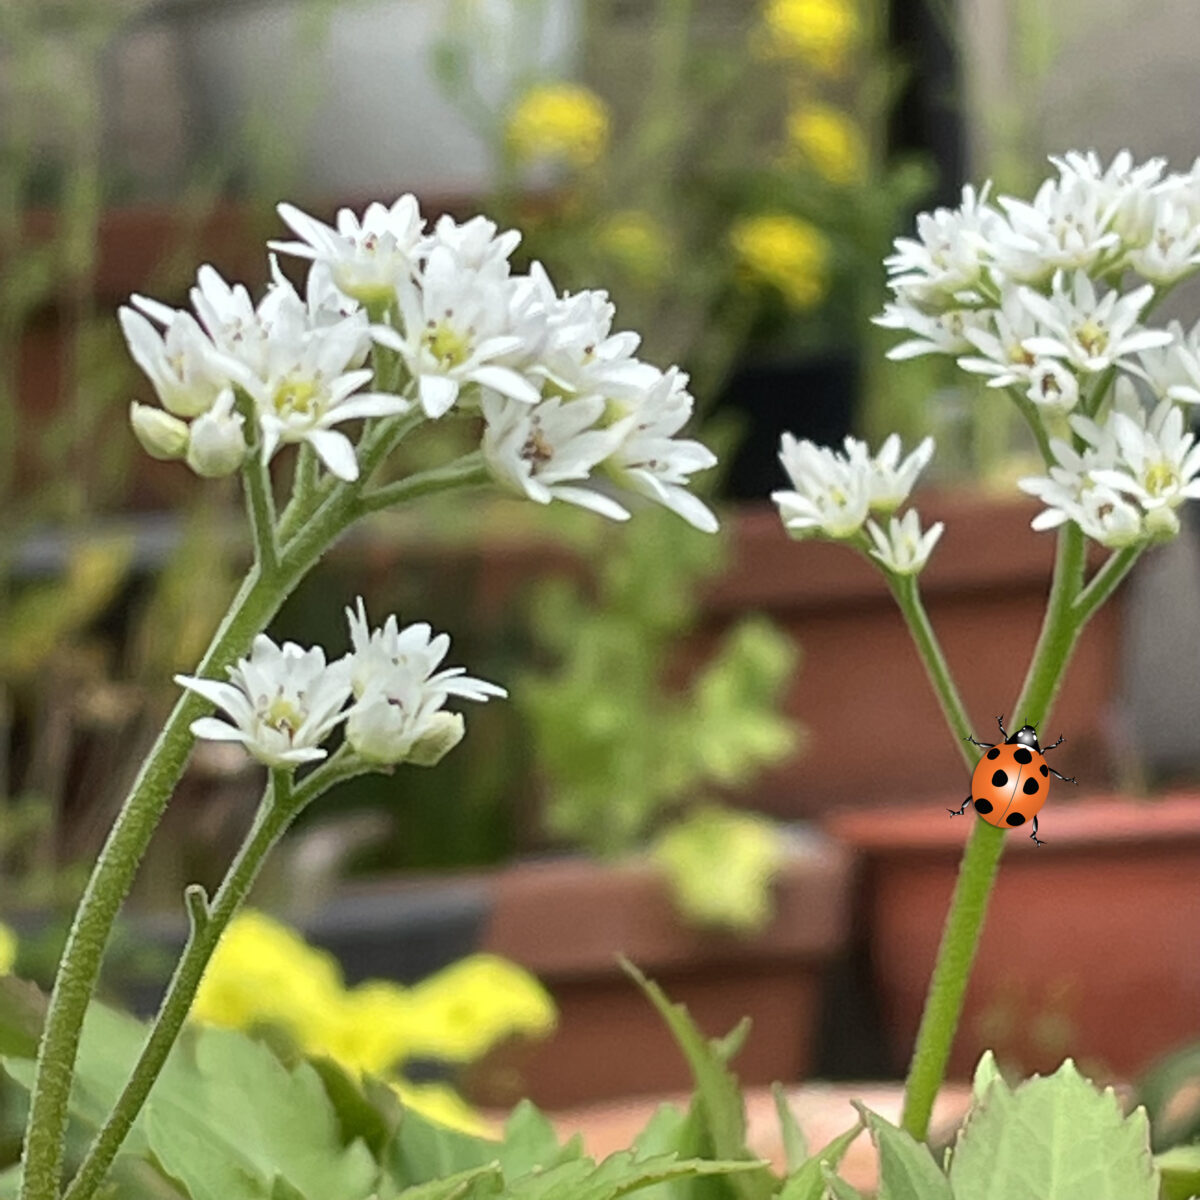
(1010,785)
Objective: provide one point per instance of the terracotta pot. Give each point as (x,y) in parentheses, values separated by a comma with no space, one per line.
(1090,944)
(570,919)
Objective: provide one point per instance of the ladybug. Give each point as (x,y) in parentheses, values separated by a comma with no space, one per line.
(1011,780)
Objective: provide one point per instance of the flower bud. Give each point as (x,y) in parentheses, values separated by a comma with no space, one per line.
(162,436)
(444,731)
(1161,523)
(218,446)
(378,732)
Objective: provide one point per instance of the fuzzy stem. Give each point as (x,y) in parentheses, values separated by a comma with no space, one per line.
(981,857)
(468,471)
(273,817)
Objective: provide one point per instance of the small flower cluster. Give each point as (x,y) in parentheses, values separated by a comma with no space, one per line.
(836,493)
(561,395)
(1032,296)
(283,702)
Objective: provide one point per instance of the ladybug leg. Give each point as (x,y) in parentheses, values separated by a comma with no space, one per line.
(1036,840)
(1062,777)
(1003,731)
(1060,741)
(981,745)
(958,812)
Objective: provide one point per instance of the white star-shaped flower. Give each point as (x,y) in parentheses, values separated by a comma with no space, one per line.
(904,549)
(283,702)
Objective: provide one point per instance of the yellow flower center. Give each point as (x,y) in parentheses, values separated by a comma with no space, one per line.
(1161,478)
(296,397)
(1093,337)
(283,715)
(448,346)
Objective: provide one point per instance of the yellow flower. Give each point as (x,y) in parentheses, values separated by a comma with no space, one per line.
(830,141)
(821,33)
(463,1011)
(785,253)
(441,1103)
(636,241)
(8,950)
(559,120)
(373,1032)
(264,973)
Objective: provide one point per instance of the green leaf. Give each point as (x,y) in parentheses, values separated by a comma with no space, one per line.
(359,1114)
(618,1175)
(718,1097)
(455,1186)
(838,1188)
(986,1073)
(530,1142)
(22,1012)
(808,1183)
(907,1170)
(225,1105)
(1055,1138)
(422,1151)
(795,1144)
(1180,1168)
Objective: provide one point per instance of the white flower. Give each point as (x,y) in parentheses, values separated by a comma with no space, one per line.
(889,480)
(1053,386)
(542,451)
(283,702)
(832,497)
(367,256)
(904,549)
(944,266)
(399,713)
(181,363)
(454,329)
(652,461)
(945,333)
(161,435)
(1159,461)
(217,446)
(1173,247)
(476,245)
(1173,369)
(306,390)
(1091,332)
(1001,343)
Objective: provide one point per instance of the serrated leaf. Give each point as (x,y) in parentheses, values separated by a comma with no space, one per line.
(530,1141)
(620,1174)
(422,1151)
(358,1117)
(838,1188)
(455,1186)
(808,1183)
(225,1103)
(718,1096)
(986,1073)
(1055,1138)
(795,1144)
(907,1170)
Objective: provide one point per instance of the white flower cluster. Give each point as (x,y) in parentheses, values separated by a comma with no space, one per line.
(836,493)
(283,702)
(1049,298)
(562,397)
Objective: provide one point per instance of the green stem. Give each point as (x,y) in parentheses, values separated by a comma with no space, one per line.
(1106,581)
(208,924)
(981,858)
(467,471)
(908,596)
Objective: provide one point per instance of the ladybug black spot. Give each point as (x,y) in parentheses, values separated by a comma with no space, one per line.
(1015,819)
(1045,770)
(983,806)
(1031,786)
(999,779)
(1023,756)
(994,752)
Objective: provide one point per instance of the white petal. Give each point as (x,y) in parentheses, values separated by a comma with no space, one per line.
(335,451)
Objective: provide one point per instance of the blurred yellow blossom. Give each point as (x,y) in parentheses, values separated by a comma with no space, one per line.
(265,974)
(8,949)
(821,33)
(786,253)
(637,242)
(830,141)
(559,120)
(463,1011)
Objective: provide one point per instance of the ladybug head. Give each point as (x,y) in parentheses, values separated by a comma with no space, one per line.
(1025,736)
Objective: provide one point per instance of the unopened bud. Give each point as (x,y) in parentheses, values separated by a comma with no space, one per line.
(444,731)
(1161,523)
(217,446)
(161,435)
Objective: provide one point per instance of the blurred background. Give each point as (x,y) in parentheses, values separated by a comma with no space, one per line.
(721,757)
